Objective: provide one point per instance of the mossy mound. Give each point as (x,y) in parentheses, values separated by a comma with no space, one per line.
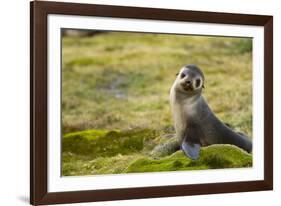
(97,143)
(212,157)
(95,152)
(102,152)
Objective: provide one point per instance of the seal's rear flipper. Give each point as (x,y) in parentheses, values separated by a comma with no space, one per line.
(191,150)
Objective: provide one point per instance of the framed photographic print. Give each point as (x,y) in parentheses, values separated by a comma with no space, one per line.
(131,102)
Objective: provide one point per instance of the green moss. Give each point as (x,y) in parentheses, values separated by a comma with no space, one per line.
(212,157)
(139,150)
(79,165)
(108,143)
(73,164)
(88,134)
(110,165)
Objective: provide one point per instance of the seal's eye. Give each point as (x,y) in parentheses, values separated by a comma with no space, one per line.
(182,75)
(197,83)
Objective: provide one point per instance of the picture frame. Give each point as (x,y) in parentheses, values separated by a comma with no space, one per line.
(39,96)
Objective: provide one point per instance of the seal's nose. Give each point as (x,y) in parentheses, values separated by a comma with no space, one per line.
(188,82)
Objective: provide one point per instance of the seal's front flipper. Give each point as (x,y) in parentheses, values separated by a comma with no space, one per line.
(191,150)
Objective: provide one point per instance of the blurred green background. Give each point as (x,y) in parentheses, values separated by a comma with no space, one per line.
(115,96)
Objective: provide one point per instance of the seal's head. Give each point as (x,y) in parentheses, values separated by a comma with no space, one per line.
(190,80)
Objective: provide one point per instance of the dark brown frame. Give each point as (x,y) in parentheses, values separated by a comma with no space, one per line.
(38,98)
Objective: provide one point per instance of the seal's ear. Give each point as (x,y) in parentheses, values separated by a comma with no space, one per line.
(203,86)
(177,74)
(191,150)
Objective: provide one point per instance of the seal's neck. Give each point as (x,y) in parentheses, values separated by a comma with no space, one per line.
(187,98)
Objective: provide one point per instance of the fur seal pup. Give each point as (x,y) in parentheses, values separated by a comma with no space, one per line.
(195,123)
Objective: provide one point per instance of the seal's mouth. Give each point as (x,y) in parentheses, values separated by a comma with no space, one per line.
(187,87)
